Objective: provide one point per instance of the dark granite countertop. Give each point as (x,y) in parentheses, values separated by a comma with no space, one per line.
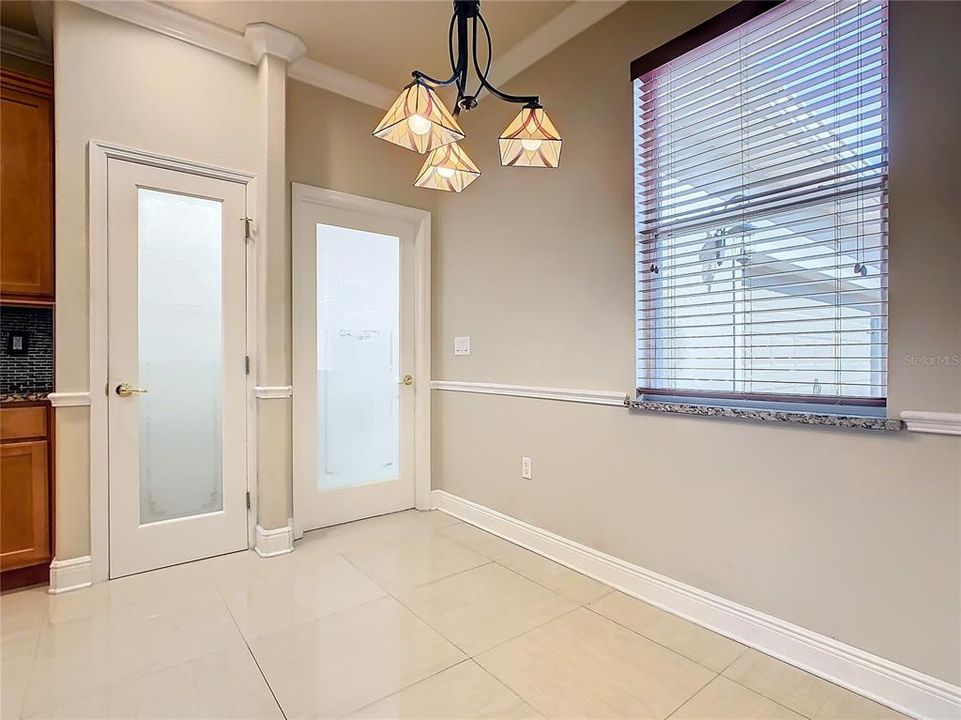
(9,398)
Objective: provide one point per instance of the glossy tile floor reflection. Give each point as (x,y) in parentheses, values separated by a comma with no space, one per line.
(412,615)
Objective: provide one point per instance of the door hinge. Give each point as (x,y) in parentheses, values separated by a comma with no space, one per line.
(246,228)
(247,364)
(248,499)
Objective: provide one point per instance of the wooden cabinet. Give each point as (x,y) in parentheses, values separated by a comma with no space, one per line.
(26,546)
(26,188)
(24,534)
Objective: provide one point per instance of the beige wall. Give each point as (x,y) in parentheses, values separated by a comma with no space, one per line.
(851,534)
(329,145)
(122,84)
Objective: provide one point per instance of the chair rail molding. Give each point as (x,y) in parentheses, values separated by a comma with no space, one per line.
(939,423)
(273,392)
(890,683)
(591,397)
(69,399)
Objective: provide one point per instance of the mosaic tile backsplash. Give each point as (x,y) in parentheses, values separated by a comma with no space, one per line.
(31,371)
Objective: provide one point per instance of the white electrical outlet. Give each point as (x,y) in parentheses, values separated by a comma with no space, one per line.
(462,345)
(526,468)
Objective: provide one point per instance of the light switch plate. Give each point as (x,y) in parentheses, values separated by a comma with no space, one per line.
(527,470)
(462,345)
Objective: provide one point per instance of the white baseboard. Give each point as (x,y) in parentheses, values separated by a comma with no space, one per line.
(891,684)
(274,542)
(72,574)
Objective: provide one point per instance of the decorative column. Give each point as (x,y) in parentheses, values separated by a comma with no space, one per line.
(273,49)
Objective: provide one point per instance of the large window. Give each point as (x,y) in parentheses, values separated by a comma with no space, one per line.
(761,207)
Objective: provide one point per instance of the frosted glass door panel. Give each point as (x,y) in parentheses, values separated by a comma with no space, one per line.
(358,357)
(180,352)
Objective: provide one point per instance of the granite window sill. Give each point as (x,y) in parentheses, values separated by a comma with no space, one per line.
(783,417)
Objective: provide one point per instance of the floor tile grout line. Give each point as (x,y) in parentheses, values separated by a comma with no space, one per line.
(390,593)
(767,697)
(667,647)
(739,656)
(525,632)
(547,587)
(468,655)
(101,687)
(692,696)
(465,545)
(508,687)
(795,710)
(407,687)
(250,651)
(33,656)
(427,582)
(499,559)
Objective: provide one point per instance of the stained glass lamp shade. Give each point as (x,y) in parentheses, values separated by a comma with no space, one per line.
(419,121)
(447,168)
(531,140)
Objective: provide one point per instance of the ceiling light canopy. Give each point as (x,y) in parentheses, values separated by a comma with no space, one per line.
(419,121)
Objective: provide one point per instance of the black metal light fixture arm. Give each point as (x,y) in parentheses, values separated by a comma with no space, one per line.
(466,51)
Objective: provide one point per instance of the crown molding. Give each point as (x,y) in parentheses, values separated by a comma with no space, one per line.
(262,38)
(22,45)
(569,22)
(265,39)
(259,38)
(342,83)
(178,25)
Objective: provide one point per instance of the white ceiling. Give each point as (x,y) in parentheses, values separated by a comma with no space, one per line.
(378,40)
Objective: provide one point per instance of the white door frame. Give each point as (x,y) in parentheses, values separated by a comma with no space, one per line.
(302,196)
(98,154)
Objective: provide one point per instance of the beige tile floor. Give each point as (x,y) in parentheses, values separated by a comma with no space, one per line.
(412,615)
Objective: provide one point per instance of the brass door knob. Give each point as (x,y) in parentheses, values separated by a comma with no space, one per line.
(126,390)
(408,380)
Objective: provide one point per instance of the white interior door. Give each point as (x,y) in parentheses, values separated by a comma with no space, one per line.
(176,366)
(353,365)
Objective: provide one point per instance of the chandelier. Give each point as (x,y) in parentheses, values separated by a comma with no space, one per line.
(419,121)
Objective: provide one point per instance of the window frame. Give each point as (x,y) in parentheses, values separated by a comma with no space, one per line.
(692,39)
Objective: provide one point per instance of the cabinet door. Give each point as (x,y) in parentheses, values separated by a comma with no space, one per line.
(26,197)
(24,509)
